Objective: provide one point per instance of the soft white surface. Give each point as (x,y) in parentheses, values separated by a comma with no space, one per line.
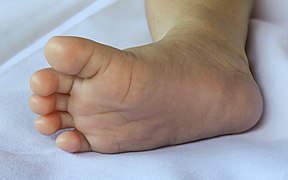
(261,153)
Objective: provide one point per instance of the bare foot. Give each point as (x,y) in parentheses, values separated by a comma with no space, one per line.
(165,93)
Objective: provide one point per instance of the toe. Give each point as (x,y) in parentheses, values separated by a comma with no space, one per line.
(48,81)
(73,141)
(51,123)
(47,104)
(42,105)
(78,56)
(44,82)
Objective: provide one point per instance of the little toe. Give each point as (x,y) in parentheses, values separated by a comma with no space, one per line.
(51,123)
(48,81)
(73,141)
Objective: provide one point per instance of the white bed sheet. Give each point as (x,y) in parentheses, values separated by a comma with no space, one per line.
(261,153)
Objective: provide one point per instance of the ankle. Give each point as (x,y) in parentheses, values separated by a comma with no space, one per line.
(198,32)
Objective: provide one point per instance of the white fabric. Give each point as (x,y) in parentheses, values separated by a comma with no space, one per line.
(261,153)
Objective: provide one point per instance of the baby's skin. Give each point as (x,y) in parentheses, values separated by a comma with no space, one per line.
(188,85)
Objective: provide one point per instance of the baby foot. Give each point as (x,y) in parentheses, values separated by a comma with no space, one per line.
(166,93)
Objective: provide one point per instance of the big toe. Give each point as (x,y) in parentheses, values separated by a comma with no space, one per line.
(78,56)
